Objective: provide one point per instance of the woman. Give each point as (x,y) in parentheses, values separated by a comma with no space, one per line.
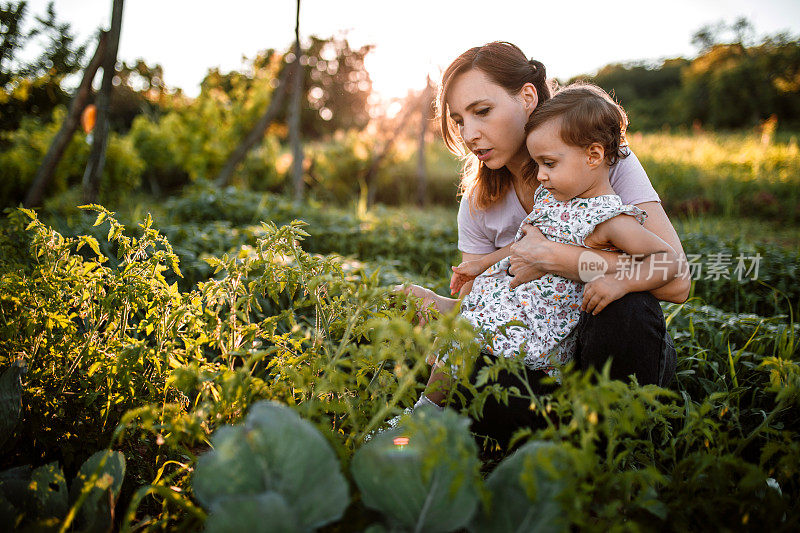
(485,99)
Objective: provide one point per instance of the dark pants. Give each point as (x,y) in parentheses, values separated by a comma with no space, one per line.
(499,421)
(630,331)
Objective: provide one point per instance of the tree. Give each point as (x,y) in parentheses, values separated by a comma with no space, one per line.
(11,38)
(140,89)
(412,107)
(732,85)
(646,92)
(34,87)
(337,86)
(706,37)
(425,116)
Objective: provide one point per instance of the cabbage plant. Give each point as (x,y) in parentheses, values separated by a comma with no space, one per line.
(274,472)
(423,474)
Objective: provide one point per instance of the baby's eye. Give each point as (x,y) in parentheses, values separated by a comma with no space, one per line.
(549,164)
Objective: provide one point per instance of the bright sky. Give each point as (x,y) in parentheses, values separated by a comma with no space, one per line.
(413,37)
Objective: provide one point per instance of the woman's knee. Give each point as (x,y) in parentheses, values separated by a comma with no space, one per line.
(631,312)
(632,332)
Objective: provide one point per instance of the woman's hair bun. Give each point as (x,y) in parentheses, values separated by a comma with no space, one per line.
(538,69)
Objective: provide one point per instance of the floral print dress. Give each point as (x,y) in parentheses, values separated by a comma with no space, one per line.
(538,318)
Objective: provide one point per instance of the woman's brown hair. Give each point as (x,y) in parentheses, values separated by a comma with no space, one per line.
(506,65)
(587,115)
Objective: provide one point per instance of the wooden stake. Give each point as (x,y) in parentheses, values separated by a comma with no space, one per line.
(44,175)
(97,156)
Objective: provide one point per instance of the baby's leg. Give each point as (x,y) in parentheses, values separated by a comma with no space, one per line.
(439,385)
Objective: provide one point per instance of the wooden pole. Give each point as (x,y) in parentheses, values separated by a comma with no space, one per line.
(377,159)
(44,175)
(422,173)
(294,114)
(97,156)
(257,132)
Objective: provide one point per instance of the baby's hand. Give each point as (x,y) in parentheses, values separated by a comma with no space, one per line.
(466,271)
(600,292)
(458,281)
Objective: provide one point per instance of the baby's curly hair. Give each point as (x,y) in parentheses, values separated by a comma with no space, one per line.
(587,115)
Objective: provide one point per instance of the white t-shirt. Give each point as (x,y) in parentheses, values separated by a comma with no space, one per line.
(484,231)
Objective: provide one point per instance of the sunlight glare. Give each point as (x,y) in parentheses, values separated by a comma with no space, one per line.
(393,109)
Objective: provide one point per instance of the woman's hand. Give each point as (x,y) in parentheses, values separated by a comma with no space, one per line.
(527,256)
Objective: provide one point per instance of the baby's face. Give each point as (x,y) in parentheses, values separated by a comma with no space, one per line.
(563,169)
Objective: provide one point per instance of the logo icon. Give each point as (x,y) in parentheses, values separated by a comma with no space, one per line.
(591,266)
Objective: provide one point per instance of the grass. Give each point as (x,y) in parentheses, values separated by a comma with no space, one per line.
(751,230)
(729,174)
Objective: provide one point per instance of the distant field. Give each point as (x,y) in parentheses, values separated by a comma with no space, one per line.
(724,174)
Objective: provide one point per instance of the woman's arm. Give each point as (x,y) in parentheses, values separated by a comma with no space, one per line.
(651,262)
(657,221)
(534,253)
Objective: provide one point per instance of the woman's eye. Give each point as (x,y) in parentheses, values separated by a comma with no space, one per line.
(482,112)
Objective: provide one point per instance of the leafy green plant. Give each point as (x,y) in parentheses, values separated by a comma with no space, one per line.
(423,474)
(26,147)
(110,332)
(273,466)
(529,491)
(38,498)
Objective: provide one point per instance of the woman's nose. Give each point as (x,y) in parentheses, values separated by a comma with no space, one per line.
(469,132)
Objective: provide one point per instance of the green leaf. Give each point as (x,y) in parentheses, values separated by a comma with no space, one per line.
(274,451)
(262,513)
(526,488)
(29,212)
(423,474)
(15,498)
(11,398)
(49,488)
(100,218)
(92,242)
(102,473)
(94,368)
(174,265)
(10,516)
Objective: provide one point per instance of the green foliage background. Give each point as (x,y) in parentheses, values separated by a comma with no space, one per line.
(148,340)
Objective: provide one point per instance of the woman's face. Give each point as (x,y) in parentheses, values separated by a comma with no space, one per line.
(490,121)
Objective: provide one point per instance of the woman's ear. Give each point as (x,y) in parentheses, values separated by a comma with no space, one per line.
(595,154)
(530,98)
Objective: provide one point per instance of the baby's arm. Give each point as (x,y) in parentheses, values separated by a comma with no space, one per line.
(653,263)
(469,270)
